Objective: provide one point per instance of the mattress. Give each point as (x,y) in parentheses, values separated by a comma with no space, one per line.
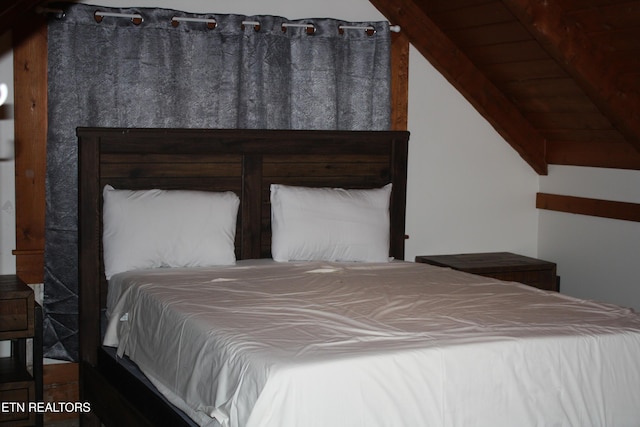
(390,344)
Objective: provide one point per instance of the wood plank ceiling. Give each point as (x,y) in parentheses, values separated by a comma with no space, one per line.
(559,80)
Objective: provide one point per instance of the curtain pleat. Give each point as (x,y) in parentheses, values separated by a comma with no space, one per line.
(119,74)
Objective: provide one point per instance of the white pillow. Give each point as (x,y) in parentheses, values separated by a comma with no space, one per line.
(167,228)
(329,224)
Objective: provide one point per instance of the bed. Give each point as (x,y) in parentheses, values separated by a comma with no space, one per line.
(291,342)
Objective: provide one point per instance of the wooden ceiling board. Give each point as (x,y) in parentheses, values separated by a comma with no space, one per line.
(583,135)
(568,45)
(629,80)
(616,155)
(557,104)
(473,16)
(576,5)
(570,67)
(503,32)
(563,86)
(10,10)
(568,120)
(465,76)
(526,50)
(616,40)
(432,6)
(625,62)
(523,71)
(606,17)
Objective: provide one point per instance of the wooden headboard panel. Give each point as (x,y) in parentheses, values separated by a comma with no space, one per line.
(243,161)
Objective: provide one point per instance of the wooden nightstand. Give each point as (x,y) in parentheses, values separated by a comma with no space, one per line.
(500,265)
(20,319)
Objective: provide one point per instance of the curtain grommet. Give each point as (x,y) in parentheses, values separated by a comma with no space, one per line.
(256,25)
(370,30)
(209,22)
(136,18)
(308,28)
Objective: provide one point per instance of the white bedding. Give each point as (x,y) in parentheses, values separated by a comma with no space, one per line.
(390,344)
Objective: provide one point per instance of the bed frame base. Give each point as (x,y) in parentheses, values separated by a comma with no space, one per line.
(118,398)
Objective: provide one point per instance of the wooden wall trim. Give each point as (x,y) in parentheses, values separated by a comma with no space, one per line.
(399,81)
(11,10)
(30,110)
(592,207)
(609,154)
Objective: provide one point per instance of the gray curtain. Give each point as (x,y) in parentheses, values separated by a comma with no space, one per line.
(152,74)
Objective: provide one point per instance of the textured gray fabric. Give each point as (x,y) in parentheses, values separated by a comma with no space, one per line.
(119,74)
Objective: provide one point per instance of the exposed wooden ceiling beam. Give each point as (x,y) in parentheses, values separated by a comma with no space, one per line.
(13,9)
(584,61)
(438,49)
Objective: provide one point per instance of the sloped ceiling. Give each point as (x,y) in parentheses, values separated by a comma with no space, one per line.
(559,80)
(10,10)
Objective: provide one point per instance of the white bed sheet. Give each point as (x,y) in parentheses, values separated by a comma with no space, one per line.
(390,344)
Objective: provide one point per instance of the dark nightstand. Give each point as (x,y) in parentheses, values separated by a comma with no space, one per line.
(500,265)
(20,319)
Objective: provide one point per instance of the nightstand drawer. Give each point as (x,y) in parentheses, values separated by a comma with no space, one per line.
(20,320)
(16,309)
(17,396)
(14,316)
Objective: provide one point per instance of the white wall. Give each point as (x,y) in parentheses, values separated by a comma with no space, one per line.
(468,190)
(7,179)
(7,171)
(598,258)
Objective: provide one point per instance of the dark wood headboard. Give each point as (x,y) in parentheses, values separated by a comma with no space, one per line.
(243,161)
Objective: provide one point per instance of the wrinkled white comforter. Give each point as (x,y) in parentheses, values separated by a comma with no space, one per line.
(391,344)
